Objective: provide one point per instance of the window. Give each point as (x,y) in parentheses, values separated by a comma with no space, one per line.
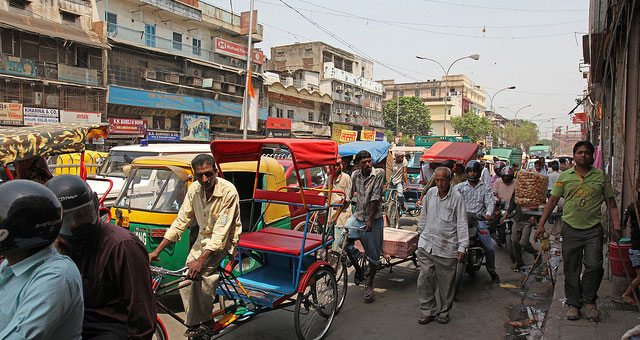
(197,46)
(290,114)
(69,17)
(177,41)
(19,4)
(308,50)
(7,42)
(311,116)
(279,113)
(112,22)
(82,56)
(318,176)
(150,35)
(433,92)
(401,93)
(417,93)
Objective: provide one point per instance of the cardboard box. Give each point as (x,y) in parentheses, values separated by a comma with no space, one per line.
(397,242)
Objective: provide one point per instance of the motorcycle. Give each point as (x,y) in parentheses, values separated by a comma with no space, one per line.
(473,259)
(501,231)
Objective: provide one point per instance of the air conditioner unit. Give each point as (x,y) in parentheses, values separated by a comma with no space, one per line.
(338,111)
(338,88)
(194,72)
(217,85)
(358,94)
(37,98)
(231,89)
(194,81)
(347,90)
(149,74)
(349,112)
(172,78)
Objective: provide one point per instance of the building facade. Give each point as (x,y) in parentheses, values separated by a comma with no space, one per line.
(462,96)
(348,78)
(52,65)
(177,67)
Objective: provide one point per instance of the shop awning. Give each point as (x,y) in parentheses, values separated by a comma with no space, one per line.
(50,29)
(300,94)
(442,151)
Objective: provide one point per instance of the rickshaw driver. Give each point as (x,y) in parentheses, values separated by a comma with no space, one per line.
(215,204)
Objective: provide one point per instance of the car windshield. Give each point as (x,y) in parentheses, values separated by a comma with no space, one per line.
(414,160)
(112,166)
(158,190)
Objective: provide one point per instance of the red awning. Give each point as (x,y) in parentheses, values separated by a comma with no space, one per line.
(459,152)
(305,153)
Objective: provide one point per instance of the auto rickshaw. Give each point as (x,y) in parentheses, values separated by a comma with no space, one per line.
(155,189)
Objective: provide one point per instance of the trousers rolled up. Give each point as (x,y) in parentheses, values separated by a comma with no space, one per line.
(436,283)
(582,247)
(400,194)
(198,297)
(520,235)
(487,244)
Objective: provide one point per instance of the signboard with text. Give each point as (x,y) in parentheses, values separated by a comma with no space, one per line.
(348,136)
(245,18)
(127,126)
(163,136)
(38,116)
(194,127)
(232,49)
(278,127)
(79,117)
(336,131)
(379,136)
(10,114)
(17,66)
(77,75)
(367,135)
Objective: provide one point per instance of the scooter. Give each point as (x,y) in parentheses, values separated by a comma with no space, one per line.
(475,255)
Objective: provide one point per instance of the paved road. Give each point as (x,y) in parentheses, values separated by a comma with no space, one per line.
(482,309)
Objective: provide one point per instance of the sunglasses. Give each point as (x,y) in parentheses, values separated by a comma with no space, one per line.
(207,174)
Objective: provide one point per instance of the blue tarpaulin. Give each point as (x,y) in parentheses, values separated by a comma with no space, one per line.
(378,149)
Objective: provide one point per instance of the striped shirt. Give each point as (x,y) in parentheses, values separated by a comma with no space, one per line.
(479,199)
(368,189)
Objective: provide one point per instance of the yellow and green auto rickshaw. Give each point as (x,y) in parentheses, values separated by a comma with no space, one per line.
(155,189)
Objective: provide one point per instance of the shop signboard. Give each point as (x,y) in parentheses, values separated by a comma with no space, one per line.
(278,127)
(232,49)
(17,66)
(127,126)
(336,131)
(194,127)
(80,117)
(348,136)
(10,114)
(367,135)
(379,136)
(38,116)
(163,136)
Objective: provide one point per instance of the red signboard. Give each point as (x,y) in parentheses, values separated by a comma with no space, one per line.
(127,126)
(238,51)
(244,22)
(278,123)
(579,118)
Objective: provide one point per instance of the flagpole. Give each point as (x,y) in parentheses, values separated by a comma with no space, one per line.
(245,112)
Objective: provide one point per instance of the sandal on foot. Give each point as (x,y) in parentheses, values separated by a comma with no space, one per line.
(443,320)
(368,295)
(426,319)
(194,331)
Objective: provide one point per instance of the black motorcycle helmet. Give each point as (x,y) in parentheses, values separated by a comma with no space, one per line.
(473,165)
(498,167)
(79,202)
(507,174)
(30,216)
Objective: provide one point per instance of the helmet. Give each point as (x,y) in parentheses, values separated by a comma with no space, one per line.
(498,167)
(79,203)
(30,216)
(507,174)
(473,165)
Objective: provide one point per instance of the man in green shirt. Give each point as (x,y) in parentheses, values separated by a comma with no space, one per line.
(584,189)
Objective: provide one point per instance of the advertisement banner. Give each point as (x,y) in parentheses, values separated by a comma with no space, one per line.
(10,114)
(194,127)
(163,136)
(348,136)
(379,136)
(17,66)
(278,127)
(245,17)
(38,116)
(128,126)
(80,117)
(367,135)
(336,131)
(579,118)
(237,51)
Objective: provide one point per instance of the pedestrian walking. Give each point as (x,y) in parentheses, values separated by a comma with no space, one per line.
(584,189)
(634,252)
(341,182)
(444,238)
(399,179)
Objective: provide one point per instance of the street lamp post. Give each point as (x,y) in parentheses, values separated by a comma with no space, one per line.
(491,101)
(515,114)
(446,82)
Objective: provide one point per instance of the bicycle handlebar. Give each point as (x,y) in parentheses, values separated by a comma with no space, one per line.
(162,271)
(354,228)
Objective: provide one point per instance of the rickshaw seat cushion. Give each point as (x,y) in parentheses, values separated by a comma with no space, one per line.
(312,197)
(279,240)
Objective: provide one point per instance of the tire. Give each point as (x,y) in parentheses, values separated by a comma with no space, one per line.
(160,332)
(509,248)
(460,269)
(393,218)
(338,262)
(414,212)
(316,306)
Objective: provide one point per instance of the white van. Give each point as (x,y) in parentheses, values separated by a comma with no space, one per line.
(120,156)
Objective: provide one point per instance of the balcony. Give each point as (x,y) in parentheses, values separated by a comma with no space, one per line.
(139,37)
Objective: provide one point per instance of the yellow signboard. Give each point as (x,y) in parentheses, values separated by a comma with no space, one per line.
(348,136)
(367,135)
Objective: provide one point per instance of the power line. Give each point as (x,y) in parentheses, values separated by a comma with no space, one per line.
(505,9)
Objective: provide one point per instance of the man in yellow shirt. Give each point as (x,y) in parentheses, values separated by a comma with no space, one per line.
(214,203)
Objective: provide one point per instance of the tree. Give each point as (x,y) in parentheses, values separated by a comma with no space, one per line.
(472,126)
(547,142)
(525,135)
(414,118)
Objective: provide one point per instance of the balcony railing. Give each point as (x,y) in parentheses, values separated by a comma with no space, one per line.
(139,37)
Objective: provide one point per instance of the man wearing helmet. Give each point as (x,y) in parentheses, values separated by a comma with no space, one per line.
(497,168)
(118,299)
(41,289)
(480,201)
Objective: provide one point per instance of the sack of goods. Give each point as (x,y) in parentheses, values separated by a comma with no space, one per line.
(531,188)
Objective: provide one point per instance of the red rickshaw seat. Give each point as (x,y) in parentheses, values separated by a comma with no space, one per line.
(312,197)
(279,240)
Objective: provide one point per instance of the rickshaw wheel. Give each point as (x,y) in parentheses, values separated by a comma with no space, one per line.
(338,262)
(393,217)
(316,306)
(160,332)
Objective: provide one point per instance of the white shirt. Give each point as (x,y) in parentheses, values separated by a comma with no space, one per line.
(485,176)
(426,171)
(443,224)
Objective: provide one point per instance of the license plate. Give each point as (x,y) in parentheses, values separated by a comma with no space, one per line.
(125,222)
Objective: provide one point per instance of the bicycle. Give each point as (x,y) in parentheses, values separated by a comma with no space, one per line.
(391,206)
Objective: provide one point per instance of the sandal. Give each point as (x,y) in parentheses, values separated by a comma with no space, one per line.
(368,295)
(197,330)
(442,320)
(623,300)
(426,319)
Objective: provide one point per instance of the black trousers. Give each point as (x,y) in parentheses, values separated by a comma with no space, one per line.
(582,247)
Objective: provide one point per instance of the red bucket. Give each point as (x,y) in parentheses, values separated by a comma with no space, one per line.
(617,262)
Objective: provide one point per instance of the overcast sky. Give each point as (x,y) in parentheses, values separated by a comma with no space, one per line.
(533,45)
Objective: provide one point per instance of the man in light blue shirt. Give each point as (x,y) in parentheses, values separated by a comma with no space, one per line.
(40,289)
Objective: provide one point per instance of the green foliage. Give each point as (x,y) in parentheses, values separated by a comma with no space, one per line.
(414,118)
(472,126)
(525,134)
(547,142)
(404,140)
